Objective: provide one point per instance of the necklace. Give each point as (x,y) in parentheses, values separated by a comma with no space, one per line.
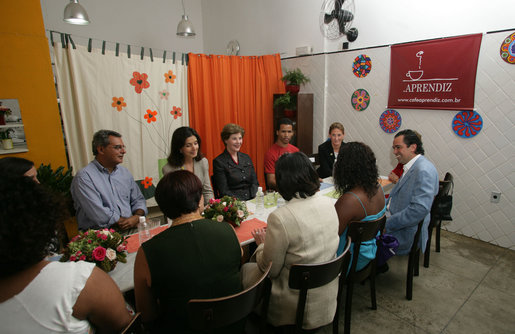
(186,218)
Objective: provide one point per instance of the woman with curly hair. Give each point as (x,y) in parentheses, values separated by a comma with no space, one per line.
(185,154)
(15,167)
(38,296)
(362,198)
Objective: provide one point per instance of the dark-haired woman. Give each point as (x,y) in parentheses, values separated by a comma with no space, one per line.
(186,155)
(305,230)
(233,171)
(15,167)
(362,198)
(194,258)
(328,150)
(38,296)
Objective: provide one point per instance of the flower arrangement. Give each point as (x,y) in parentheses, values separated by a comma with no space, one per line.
(103,247)
(227,208)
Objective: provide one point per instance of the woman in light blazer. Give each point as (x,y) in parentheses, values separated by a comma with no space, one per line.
(305,230)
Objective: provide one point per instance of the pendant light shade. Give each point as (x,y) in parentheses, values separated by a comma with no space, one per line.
(185,27)
(74,13)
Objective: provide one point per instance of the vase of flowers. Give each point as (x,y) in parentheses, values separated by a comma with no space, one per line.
(103,247)
(228,209)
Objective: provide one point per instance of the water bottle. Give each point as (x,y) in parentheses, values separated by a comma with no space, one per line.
(143,230)
(260,202)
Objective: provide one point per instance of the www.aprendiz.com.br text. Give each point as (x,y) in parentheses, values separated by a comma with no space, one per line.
(433,100)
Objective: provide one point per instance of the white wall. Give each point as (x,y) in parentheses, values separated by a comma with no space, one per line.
(480,165)
(147,23)
(276,26)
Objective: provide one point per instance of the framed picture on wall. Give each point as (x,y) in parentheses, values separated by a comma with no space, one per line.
(12,133)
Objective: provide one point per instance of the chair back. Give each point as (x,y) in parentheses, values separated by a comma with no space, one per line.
(359,232)
(309,276)
(134,327)
(209,314)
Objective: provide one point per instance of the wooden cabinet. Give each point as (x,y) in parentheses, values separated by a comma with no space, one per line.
(302,121)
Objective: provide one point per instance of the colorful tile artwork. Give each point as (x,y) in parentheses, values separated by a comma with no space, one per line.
(467,124)
(360,99)
(362,66)
(390,121)
(508,49)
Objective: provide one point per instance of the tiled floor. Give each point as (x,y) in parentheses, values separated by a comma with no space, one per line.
(469,287)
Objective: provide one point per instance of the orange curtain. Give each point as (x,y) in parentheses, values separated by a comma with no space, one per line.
(233,89)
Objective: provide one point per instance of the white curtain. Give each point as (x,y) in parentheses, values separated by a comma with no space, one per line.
(143,100)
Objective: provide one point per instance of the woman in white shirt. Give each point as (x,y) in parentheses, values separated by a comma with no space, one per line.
(38,296)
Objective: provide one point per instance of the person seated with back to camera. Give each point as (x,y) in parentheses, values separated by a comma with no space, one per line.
(305,230)
(328,150)
(194,258)
(361,195)
(38,296)
(16,167)
(233,171)
(185,154)
(284,133)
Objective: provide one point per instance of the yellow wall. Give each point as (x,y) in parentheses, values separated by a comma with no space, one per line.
(26,75)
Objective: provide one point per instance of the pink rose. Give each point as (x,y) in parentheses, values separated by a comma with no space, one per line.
(86,233)
(90,241)
(83,258)
(121,248)
(220,218)
(211,201)
(73,258)
(111,230)
(226,209)
(78,253)
(103,237)
(99,253)
(111,254)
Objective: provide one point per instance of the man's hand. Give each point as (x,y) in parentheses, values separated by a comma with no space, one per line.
(128,223)
(393,177)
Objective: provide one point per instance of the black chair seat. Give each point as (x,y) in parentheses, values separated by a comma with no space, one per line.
(309,276)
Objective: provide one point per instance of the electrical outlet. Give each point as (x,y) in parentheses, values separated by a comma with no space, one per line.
(495,197)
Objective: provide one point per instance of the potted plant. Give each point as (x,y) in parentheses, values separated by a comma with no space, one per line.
(293,79)
(4,111)
(7,142)
(59,181)
(288,103)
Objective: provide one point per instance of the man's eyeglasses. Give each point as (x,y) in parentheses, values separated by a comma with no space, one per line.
(118,147)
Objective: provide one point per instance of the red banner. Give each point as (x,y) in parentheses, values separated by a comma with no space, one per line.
(436,74)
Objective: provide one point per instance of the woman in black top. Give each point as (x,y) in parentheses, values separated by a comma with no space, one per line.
(328,151)
(194,258)
(233,171)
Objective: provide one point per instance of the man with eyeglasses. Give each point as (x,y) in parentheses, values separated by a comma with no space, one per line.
(105,194)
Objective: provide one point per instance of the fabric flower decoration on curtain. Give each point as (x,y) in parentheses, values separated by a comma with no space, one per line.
(150,116)
(139,81)
(147,182)
(170,77)
(176,112)
(164,94)
(118,103)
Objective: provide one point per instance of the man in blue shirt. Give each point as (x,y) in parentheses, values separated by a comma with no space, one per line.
(105,193)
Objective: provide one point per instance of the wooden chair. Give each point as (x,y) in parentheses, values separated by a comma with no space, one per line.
(134,327)
(445,189)
(210,314)
(413,262)
(358,232)
(309,276)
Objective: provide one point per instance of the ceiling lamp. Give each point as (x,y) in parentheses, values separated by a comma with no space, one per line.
(185,27)
(74,13)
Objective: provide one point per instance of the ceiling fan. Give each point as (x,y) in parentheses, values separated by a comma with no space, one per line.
(336,19)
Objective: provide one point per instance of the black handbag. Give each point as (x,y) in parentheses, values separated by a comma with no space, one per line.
(444,205)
